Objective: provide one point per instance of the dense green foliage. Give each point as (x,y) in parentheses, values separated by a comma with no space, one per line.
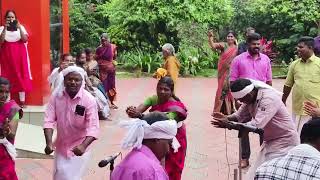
(283,21)
(86,23)
(140,27)
(148,24)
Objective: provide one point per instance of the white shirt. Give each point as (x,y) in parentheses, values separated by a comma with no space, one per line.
(13,36)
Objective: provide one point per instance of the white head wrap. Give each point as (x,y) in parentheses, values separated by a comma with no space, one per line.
(169,47)
(249,88)
(140,129)
(59,90)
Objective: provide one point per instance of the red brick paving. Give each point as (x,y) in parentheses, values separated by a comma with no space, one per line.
(206,156)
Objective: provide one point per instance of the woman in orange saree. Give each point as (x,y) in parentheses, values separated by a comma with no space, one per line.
(224,101)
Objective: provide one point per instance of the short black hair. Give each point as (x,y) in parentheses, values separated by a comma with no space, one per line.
(239,84)
(155,116)
(310,131)
(88,51)
(253,37)
(65,55)
(4,81)
(250,29)
(79,54)
(307,40)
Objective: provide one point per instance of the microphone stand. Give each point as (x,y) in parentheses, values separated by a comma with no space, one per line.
(241,132)
(111,162)
(242,129)
(111,167)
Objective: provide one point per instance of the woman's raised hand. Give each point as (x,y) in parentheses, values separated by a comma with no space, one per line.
(132,112)
(7,24)
(210,33)
(18,24)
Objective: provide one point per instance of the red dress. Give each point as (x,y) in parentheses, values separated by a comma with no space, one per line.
(174,163)
(14,61)
(7,164)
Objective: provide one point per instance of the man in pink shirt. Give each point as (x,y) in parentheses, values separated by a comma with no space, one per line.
(262,108)
(150,141)
(252,65)
(73,112)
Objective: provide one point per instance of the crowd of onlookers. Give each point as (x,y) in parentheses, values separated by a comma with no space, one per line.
(245,98)
(83,91)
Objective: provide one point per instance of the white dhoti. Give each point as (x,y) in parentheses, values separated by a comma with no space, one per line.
(300,120)
(102,102)
(266,153)
(72,168)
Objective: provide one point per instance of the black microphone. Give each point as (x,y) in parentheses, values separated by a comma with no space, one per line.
(106,161)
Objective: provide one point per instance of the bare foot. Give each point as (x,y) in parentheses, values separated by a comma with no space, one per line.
(113,106)
(244,163)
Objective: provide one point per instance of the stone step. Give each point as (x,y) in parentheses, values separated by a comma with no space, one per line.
(33,115)
(30,142)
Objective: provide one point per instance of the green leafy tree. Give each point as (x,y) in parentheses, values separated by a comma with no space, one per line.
(283,21)
(291,20)
(86,23)
(149,23)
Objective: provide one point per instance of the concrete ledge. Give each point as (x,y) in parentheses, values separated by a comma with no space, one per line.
(34,155)
(30,141)
(33,115)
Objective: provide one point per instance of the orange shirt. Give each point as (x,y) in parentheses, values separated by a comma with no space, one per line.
(172,65)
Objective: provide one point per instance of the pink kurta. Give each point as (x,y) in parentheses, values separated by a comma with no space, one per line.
(140,164)
(244,66)
(72,128)
(14,61)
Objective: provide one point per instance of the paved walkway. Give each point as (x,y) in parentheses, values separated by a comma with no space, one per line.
(208,147)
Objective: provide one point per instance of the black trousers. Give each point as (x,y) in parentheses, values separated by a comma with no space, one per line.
(245,145)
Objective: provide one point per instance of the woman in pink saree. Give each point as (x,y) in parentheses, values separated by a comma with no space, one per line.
(224,101)
(10,113)
(172,108)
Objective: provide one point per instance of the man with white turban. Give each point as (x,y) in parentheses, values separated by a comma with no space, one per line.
(56,76)
(262,108)
(150,140)
(73,112)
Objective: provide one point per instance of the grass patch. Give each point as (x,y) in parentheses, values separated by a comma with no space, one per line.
(207,73)
(279,72)
(125,74)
